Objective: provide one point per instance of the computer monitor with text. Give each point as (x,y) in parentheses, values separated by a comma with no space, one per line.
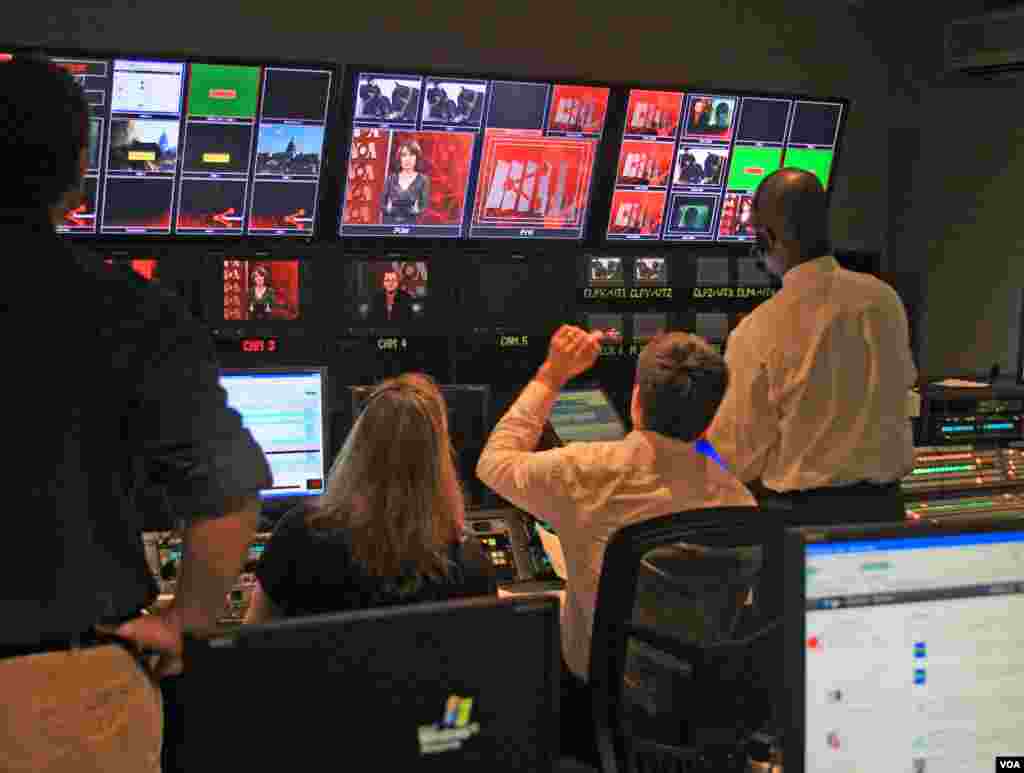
(285,411)
(906,648)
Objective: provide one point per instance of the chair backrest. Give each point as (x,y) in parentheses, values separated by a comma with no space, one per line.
(676,612)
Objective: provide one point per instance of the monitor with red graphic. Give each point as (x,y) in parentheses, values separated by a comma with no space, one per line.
(260,290)
(437,157)
(147,268)
(690,162)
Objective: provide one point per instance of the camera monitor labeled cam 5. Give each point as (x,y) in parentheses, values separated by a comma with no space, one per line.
(390,293)
(421,144)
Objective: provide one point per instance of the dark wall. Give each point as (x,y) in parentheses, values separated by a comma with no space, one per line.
(954,212)
(804,45)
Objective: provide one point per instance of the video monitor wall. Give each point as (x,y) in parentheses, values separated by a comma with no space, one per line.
(689,163)
(195,148)
(440,157)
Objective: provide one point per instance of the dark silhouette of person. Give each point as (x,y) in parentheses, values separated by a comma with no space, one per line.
(723,116)
(713,169)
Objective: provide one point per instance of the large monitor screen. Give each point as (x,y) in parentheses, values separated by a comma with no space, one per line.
(922,633)
(689,162)
(433,157)
(194,148)
(284,409)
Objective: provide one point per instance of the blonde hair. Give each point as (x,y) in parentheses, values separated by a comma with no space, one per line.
(394,487)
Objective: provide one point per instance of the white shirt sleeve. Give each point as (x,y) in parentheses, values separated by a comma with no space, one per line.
(746,427)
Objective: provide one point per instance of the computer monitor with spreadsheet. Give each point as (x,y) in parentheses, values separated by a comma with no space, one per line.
(585,414)
(905,645)
(284,409)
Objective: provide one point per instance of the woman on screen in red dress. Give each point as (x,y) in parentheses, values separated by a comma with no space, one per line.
(389,529)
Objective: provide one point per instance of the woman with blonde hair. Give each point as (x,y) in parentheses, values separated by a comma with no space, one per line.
(389,528)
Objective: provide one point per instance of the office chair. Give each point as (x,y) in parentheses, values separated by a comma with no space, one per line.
(680,668)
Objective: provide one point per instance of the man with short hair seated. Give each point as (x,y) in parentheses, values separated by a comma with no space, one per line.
(588,491)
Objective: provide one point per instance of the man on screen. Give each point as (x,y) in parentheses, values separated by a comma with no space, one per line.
(391,304)
(145,419)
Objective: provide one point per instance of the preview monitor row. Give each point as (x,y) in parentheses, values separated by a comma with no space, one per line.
(197,148)
(723,118)
(396,292)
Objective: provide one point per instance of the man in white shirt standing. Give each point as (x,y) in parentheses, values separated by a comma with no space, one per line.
(815,415)
(588,491)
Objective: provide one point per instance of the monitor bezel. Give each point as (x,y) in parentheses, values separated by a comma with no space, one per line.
(611,158)
(261,636)
(794,592)
(348,102)
(331,129)
(213,292)
(272,501)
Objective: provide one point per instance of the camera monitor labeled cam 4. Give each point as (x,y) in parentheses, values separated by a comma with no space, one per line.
(390,293)
(284,409)
(435,156)
(190,147)
(906,645)
(689,162)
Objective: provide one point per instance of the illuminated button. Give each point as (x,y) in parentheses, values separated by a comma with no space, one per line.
(223,94)
(216,158)
(141,155)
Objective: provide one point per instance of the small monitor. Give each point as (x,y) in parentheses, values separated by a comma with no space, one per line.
(905,645)
(458,687)
(604,271)
(390,293)
(585,415)
(285,410)
(262,289)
